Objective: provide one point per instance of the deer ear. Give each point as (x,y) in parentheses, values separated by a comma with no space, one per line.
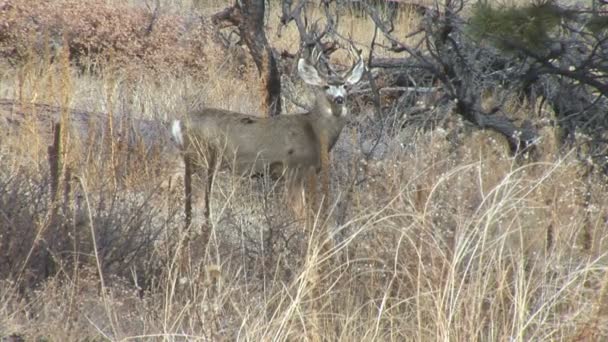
(356,73)
(309,73)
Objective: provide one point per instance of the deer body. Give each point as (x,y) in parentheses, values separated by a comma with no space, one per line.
(252,144)
(285,144)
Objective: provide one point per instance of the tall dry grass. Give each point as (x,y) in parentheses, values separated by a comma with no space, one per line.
(434,239)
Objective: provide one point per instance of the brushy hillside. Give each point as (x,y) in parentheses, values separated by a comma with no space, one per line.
(440,235)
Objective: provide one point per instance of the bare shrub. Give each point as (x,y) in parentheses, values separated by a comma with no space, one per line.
(105,226)
(439,233)
(23,206)
(97,33)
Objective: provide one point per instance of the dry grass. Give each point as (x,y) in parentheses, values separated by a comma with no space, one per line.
(439,239)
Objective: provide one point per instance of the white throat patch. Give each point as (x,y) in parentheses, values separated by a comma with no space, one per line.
(344,111)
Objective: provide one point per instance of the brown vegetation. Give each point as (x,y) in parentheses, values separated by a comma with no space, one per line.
(439,234)
(97,34)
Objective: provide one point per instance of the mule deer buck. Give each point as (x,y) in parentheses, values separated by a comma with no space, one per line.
(285,144)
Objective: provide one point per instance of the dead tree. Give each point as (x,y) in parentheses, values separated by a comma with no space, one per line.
(312,37)
(449,60)
(248,16)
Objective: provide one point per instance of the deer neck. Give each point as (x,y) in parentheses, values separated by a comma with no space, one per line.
(329,121)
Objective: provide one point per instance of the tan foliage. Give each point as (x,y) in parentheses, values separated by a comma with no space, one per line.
(97,33)
(443,236)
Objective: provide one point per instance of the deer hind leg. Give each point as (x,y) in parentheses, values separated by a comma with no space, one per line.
(188,165)
(208,188)
(211,169)
(193,166)
(194,239)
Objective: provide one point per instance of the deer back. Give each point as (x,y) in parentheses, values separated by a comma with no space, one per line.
(252,143)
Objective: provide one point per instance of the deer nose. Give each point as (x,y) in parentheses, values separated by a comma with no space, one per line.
(339,100)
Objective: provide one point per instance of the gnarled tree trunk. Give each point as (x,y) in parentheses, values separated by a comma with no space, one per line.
(248,16)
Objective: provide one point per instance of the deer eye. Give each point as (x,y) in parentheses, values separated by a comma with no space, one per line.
(325,87)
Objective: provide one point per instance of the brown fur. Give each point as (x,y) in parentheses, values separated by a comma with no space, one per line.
(283,146)
(254,143)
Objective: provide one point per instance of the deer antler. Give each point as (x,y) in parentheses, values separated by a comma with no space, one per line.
(315,55)
(352,49)
(355,53)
